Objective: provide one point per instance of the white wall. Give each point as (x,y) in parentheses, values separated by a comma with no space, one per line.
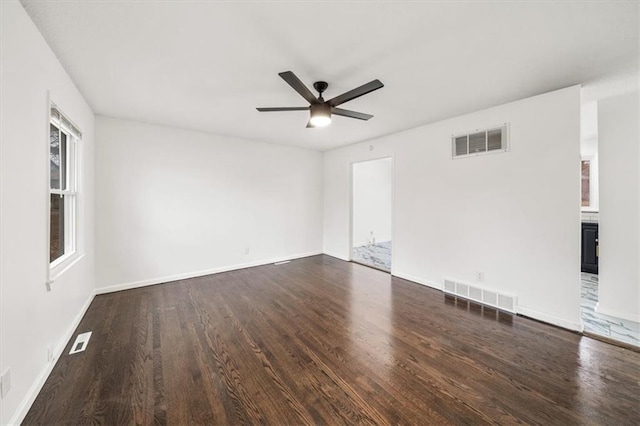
(29,71)
(619,230)
(513,216)
(588,126)
(372,197)
(174,203)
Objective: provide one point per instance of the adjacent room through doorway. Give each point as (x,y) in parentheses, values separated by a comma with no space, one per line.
(597,321)
(371,213)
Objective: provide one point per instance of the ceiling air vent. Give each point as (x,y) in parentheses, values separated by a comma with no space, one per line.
(478,142)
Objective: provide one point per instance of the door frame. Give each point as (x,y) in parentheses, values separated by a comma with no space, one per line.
(393,206)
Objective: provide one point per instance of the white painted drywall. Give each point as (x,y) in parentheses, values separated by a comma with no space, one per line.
(29,71)
(514,216)
(372,201)
(588,124)
(619,230)
(174,203)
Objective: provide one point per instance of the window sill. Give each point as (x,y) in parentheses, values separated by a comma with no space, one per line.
(58,270)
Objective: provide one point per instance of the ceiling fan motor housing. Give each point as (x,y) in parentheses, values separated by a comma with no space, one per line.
(320,86)
(323,109)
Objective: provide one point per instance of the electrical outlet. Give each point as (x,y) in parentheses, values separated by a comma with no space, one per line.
(5,383)
(480,276)
(247,250)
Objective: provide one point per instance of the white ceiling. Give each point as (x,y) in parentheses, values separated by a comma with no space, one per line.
(206,65)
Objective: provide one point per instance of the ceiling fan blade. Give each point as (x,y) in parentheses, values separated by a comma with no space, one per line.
(298,86)
(350,114)
(275,109)
(356,93)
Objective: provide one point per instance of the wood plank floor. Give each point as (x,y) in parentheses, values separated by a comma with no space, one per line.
(322,341)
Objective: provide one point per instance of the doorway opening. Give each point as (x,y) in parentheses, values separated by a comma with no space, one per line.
(596,321)
(371,209)
(589,217)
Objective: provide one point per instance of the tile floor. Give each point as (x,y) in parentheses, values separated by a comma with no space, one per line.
(376,255)
(604,325)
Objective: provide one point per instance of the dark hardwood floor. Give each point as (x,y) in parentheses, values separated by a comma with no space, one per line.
(322,341)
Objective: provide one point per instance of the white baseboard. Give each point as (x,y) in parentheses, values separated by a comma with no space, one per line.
(187,275)
(418,280)
(336,255)
(550,319)
(617,314)
(37,385)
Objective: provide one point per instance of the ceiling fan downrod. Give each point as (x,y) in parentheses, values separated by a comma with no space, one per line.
(320,87)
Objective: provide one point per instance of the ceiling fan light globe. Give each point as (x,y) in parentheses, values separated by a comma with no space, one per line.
(320,121)
(320,115)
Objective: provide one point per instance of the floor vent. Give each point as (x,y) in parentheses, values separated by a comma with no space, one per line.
(81,343)
(502,301)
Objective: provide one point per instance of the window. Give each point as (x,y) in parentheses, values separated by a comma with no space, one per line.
(480,142)
(63,171)
(589,183)
(586,180)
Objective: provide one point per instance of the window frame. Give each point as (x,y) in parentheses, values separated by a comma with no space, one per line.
(69,194)
(593,183)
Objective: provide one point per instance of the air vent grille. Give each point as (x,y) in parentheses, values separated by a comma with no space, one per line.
(480,141)
(506,302)
(80,343)
(461,145)
(449,286)
(475,293)
(477,142)
(494,139)
(490,298)
(502,301)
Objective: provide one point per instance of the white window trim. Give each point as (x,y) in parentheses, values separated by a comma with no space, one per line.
(67,263)
(72,253)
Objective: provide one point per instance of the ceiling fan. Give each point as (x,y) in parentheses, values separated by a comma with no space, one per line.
(321,110)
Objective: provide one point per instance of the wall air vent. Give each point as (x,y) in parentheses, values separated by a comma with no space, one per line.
(449,286)
(508,303)
(502,301)
(480,141)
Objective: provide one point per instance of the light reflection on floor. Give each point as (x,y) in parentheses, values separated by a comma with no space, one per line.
(485,311)
(371,335)
(379,256)
(591,380)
